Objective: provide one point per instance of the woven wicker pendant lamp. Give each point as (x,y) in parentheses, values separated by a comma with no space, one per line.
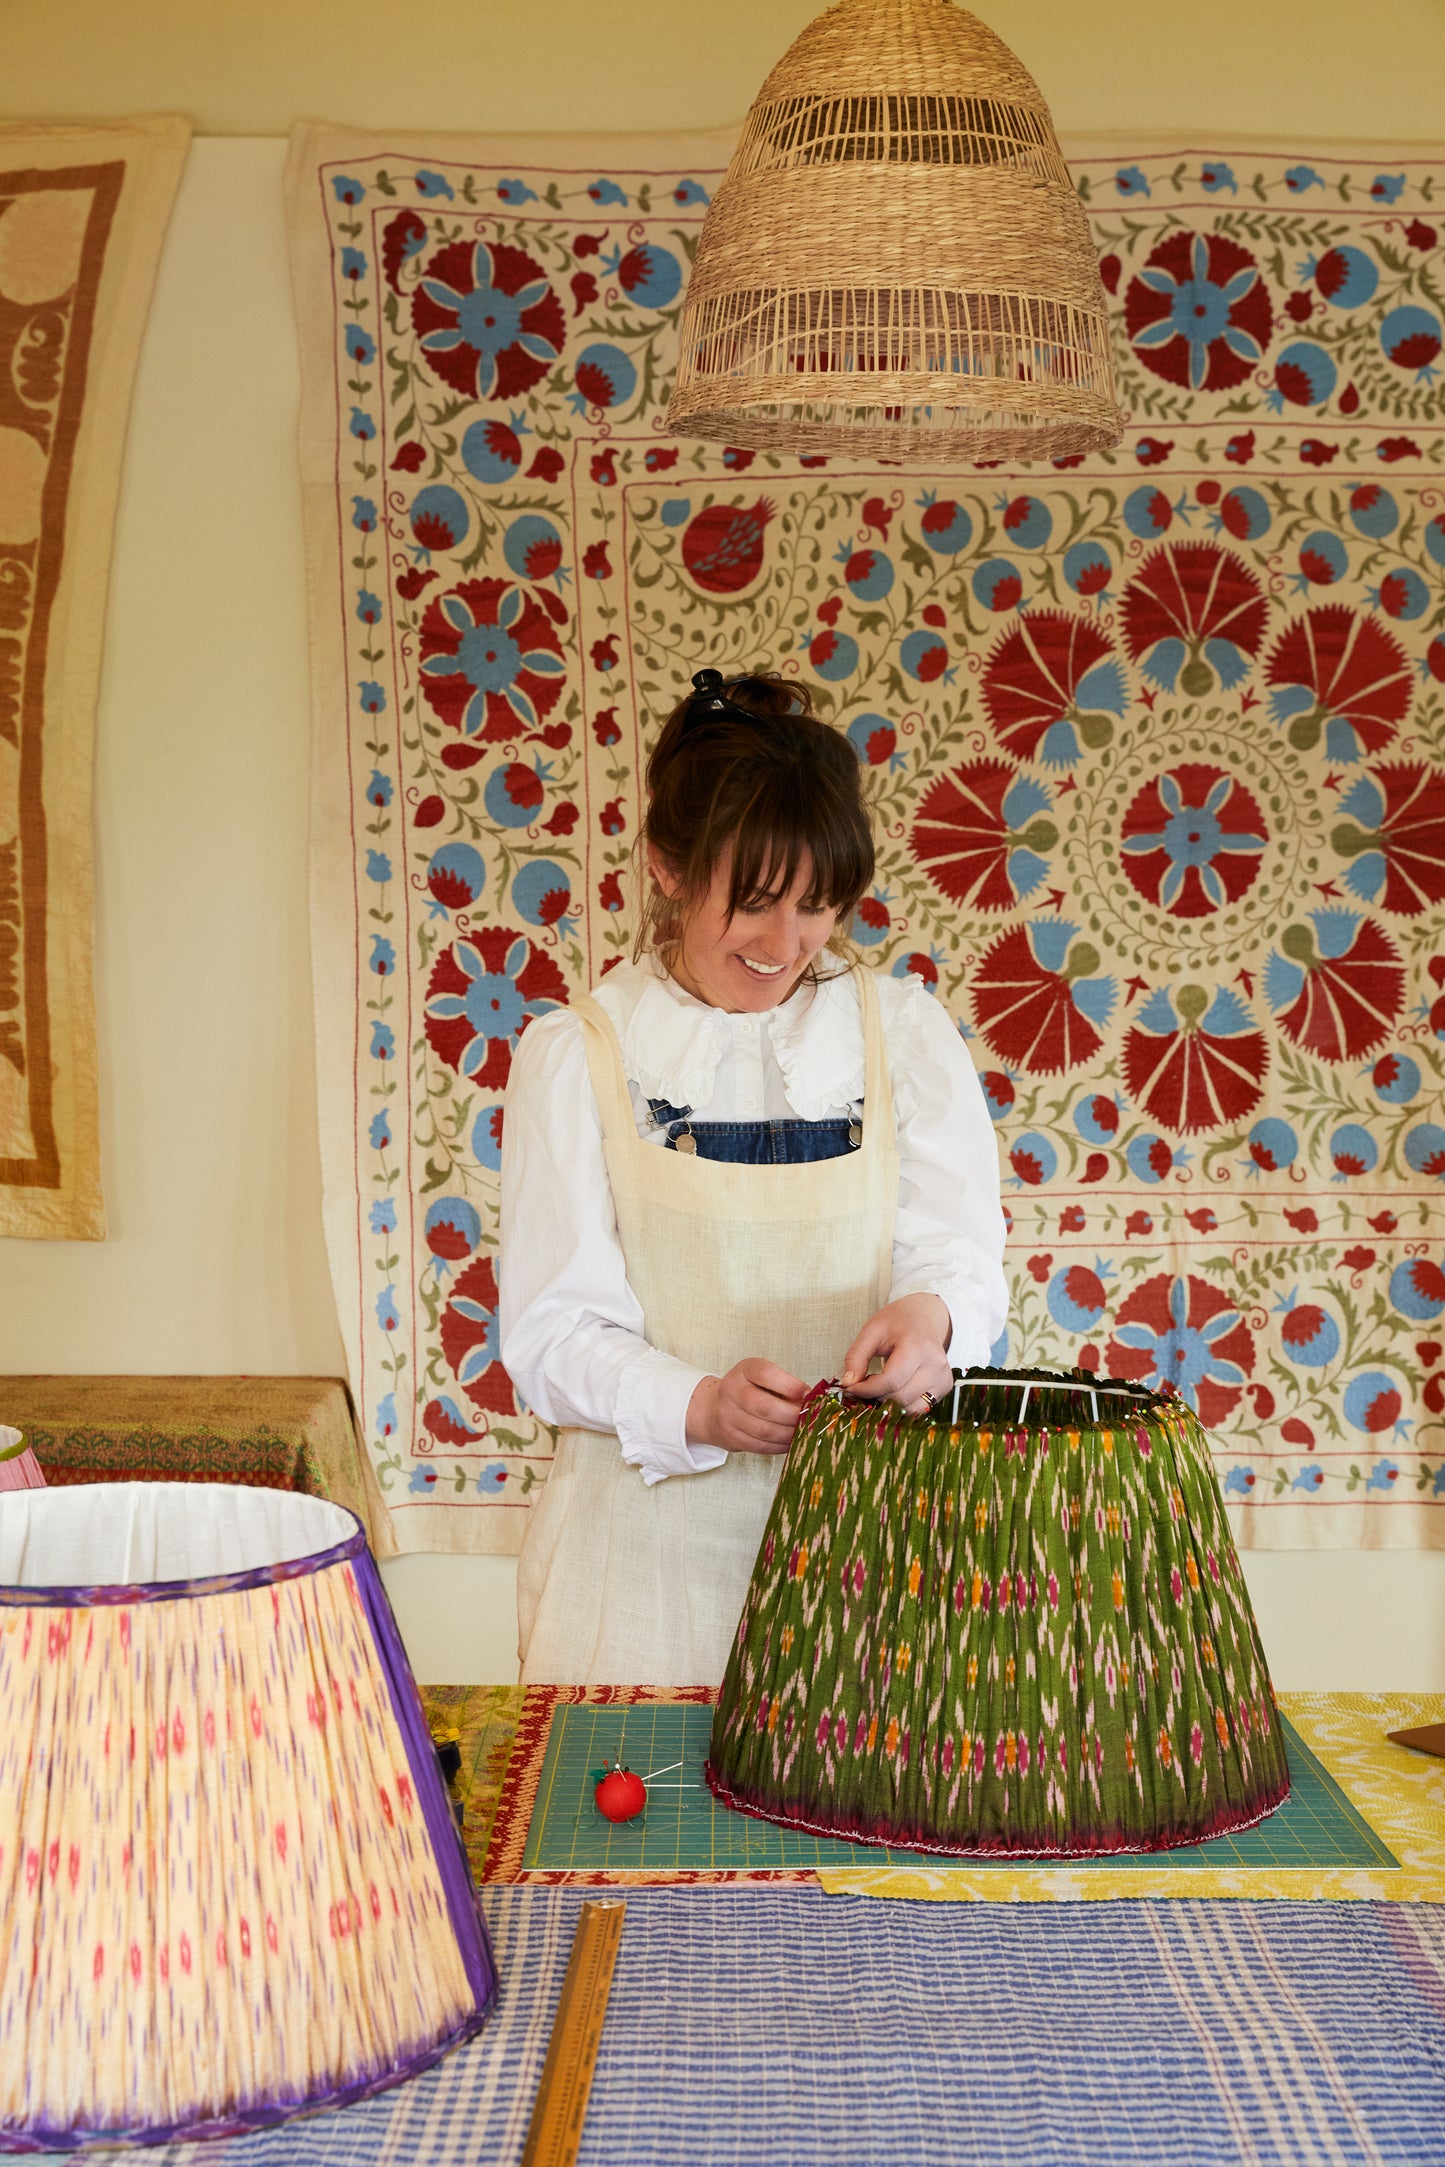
(896,263)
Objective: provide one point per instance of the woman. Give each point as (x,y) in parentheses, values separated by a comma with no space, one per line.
(742,1164)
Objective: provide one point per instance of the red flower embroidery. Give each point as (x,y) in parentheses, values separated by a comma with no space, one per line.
(1184,1336)
(470,1340)
(1336,672)
(483,991)
(722,545)
(402,238)
(1199,314)
(487,320)
(1037,1000)
(1336,985)
(1192,840)
(1194,615)
(1193,1061)
(975,830)
(491,661)
(1397,850)
(1051,681)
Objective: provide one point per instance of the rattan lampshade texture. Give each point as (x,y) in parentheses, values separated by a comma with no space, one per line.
(896,263)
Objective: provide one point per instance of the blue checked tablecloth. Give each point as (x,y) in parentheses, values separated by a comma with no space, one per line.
(751,2026)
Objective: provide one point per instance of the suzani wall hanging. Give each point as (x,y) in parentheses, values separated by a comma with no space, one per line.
(1157,740)
(83,211)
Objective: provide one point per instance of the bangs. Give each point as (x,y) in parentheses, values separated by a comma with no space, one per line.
(791,820)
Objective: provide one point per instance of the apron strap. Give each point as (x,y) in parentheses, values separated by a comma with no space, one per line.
(877,1082)
(604,1065)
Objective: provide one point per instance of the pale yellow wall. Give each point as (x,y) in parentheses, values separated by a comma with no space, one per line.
(1363,68)
(215,1260)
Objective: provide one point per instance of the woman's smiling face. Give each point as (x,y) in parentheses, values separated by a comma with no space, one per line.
(756,958)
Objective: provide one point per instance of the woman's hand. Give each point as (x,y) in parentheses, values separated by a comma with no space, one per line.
(754,1408)
(911,1335)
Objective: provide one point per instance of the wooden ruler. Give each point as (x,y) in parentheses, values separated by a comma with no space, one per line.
(554,2135)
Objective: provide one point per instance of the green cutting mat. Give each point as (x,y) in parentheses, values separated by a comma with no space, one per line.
(684,1826)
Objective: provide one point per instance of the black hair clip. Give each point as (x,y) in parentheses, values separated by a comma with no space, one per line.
(709,697)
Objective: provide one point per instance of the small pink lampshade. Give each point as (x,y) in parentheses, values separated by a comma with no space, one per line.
(19,1468)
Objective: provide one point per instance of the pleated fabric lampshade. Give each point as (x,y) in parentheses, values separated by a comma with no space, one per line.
(231,1887)
(896,263)
(19,1468)
(1018,1626)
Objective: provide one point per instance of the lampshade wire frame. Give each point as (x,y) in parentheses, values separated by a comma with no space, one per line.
(1096,1392)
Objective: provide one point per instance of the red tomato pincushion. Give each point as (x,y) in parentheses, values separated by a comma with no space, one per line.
(620,1795)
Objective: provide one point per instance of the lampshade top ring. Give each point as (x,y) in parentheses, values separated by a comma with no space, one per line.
(125,1542)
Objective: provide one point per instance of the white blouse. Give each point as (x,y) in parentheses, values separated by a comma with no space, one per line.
(571,1326)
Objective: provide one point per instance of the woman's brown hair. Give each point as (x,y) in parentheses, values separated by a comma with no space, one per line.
(748,763)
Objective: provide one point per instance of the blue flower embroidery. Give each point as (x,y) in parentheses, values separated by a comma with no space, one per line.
(1199,312)
(484,1351)
(489,321)
(1191,838)
(484,995)
(1183,1356)
(501,645)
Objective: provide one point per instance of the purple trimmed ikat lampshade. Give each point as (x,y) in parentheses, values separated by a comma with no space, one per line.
(231,1887)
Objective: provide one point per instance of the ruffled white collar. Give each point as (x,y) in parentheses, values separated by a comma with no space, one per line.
(672,1042)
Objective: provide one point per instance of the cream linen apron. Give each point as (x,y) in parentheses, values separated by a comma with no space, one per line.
(622,1584)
